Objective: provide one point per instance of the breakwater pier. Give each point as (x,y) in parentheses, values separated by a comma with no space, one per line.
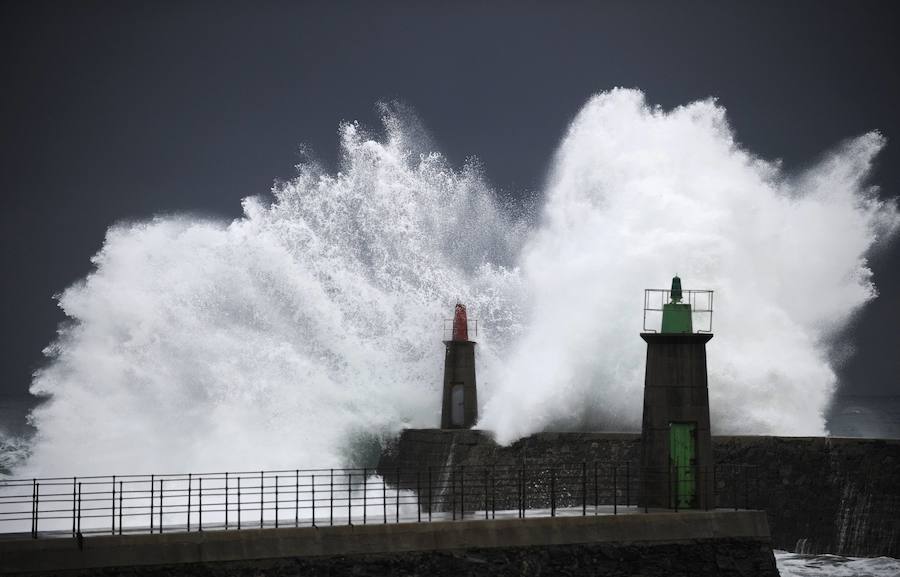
(573,517)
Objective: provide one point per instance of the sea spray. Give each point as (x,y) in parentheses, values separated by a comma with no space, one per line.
(638,194)
(300,333)
(294,336)
(14,451)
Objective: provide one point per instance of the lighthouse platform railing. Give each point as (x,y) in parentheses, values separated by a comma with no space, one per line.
(471,328)
(701,308)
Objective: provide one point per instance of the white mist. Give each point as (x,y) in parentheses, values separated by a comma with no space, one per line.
(638,194)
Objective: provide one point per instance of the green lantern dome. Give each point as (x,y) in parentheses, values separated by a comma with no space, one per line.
(675,293)
(676,317)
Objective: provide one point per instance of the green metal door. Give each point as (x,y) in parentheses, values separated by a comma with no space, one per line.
(682,440)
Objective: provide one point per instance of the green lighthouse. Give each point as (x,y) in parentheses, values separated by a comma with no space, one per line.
(676,445)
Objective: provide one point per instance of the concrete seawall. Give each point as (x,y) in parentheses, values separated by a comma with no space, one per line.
(698,543)
(822,495)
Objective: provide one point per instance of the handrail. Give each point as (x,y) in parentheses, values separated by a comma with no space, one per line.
(119,504)
(700,301)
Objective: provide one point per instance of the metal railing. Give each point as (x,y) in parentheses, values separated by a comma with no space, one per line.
(701,302)
(123,504)
(471,328)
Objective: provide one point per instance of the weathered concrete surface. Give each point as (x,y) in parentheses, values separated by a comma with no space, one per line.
(55,555)
(459,370)
(822,495)
(719,557)
(826,495)
(675,390)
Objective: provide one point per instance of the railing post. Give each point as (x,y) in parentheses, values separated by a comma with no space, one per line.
(262,492)
(190,475)
(596,489)
(152,483)
(430,485)
(160,506)
(553,491)
(485,493)
(33,510)
(628,483)
(79,509)
(365,494)
(419,495)
(615,489)
(120,507)
(519,492)
(297,499)
(384,500)
(524,491)
(276,500)
(349,497)
(583,488)
(397,499)
(112,513)
(313,480)
(462,492)
(226,500)
(453,494)
(331,497)
(37,507)
(74,483)
(200,504)
(493,492)
(239,502)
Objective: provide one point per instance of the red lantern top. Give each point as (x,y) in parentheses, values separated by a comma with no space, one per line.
(460,324)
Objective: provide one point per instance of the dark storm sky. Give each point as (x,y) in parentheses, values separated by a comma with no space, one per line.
(122,110)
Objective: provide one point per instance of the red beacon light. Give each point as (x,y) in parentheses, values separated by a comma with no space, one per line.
(460,323)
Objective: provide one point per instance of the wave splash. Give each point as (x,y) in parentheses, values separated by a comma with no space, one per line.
(307,330)
(638,194)
(296,335)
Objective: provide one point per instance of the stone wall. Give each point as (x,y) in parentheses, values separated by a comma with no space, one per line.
(723,557)
(693,543)
(822,495)
(826,495)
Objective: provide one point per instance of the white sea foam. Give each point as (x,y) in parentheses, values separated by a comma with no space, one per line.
(14,451)
(290,337)
(302,332)
(791,565)
(638,194)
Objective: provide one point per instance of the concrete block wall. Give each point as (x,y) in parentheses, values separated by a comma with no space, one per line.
(821,495)
(699,543)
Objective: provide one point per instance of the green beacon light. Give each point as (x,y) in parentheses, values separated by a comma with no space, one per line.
(676,317)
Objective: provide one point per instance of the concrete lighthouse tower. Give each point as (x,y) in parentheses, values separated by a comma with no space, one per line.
(460,406)
(676,446)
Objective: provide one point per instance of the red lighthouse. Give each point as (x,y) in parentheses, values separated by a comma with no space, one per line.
(460,399)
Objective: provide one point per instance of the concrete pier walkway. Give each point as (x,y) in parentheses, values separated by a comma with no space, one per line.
(54,555)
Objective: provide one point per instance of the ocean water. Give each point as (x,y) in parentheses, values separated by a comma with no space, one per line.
(791,565)
(15,433)
(866,416)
